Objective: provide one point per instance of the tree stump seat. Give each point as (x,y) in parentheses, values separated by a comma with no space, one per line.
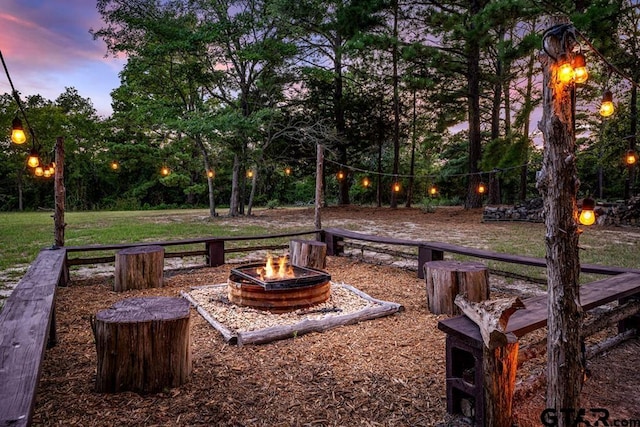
(143,345)
(308,253)
(139,267)
(446,279)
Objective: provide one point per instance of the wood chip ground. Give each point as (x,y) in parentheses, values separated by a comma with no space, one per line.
(383,372)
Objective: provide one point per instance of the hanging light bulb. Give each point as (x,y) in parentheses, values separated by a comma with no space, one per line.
(165,171)
(287,171)
(366,182)
(607,108)
(482,188)
(630,158)
(51,168)
(34,159)
(580,74)
(115,165)
(587,216)
(565,70)
(17,132)
(396,187)
(433,191)
(48,171)
(340,175)
(211,173)
(38,171)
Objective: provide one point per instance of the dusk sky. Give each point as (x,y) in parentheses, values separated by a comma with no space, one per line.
(47,47)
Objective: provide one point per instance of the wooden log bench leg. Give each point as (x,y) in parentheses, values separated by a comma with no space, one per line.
(464,382)
(143,345)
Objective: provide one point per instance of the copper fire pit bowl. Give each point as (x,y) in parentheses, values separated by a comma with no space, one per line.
(306,287)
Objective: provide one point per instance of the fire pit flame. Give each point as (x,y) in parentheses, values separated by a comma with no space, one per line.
(268,272)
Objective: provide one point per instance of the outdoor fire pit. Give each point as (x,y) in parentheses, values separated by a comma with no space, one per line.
(278,289)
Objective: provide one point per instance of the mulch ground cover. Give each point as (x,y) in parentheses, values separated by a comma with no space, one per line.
(388,371)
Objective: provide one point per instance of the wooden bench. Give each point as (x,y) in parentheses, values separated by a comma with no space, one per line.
(464,376)
(27,325)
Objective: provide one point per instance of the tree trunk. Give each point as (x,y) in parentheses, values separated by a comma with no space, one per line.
(207,168)
(474,200)
(143,345)
(234,203)
(254,182)
(319,202)
(413,155)
(558,184)
(396,106)
(139,267)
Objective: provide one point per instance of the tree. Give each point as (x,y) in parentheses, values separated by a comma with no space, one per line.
(323,30)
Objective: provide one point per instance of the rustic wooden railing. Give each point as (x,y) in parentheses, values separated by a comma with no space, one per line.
(27,319)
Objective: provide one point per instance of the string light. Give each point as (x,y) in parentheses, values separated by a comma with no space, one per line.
(114,165)
(433,191)
(580,74)
(396,187)
(249,173)
(287,171)
(34,159)
(365,182)
(482,188)
(38,171)
(565,70)
(630,158)
(165,171)
(587,216)
(211,173)
(340,175)
(607,108)
(17,132)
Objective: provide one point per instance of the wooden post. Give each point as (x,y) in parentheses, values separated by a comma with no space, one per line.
(426,254)
(215,252)
(446,279)
(558,183)
(499,355)
(59,194)
(143,345)
(308,253)
(139,267)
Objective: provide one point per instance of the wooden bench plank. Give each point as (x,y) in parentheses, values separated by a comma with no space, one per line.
(534,316)
(25,323)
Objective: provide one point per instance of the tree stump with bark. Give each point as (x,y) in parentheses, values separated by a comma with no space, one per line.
(447,279)
(308,253)
(143,345)
(139,267)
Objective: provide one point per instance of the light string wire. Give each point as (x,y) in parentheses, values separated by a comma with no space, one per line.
(427,176)
(15,95)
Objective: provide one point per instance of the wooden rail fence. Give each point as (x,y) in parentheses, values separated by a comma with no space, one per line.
(27,320)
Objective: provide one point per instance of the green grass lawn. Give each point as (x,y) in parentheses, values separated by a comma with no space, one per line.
(23,235)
